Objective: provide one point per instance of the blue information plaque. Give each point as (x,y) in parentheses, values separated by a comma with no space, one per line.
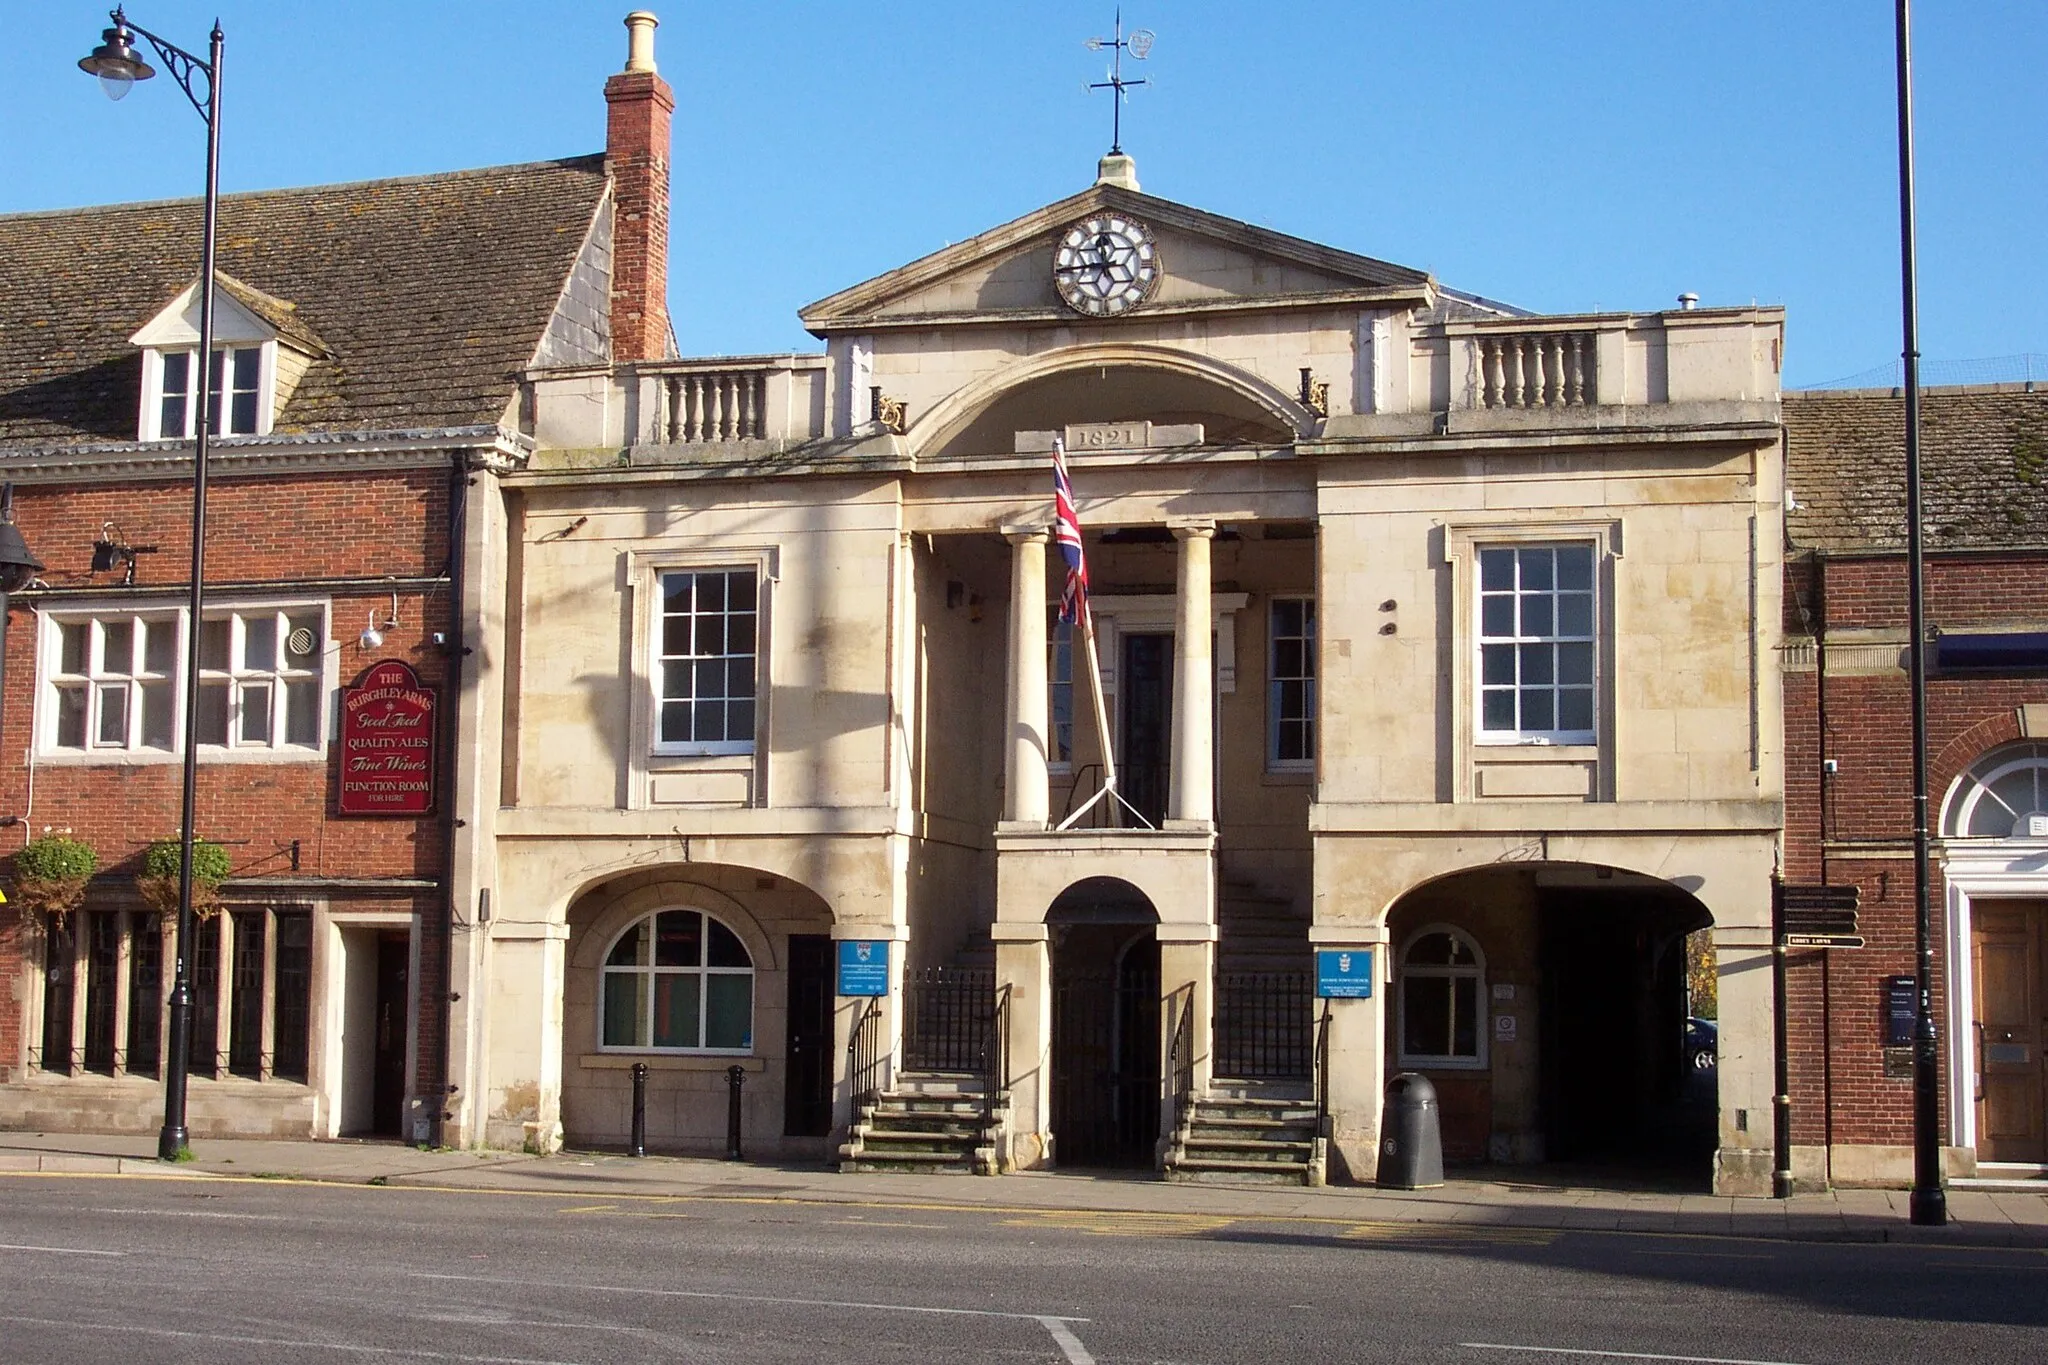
(1344,973)
(863,966)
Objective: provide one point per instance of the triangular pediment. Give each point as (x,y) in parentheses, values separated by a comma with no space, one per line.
(242,315)
(1209,264)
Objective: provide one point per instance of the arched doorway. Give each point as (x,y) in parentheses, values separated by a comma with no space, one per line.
(1105,1025)
(1994,828)
(1549,1004)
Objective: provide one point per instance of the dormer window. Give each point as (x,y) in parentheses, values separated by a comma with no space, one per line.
(237,405)
(261,347)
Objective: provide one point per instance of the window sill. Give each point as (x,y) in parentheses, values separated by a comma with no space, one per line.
(1289,777)
(1460,1064)
(152,758)
(693,760)
(1536,750)
(672,1061)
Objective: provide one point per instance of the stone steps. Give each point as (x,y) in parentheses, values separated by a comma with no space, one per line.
(1236,1138)
(929,1124)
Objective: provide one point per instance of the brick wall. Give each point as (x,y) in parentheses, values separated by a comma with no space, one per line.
(278,530)
(1855,827)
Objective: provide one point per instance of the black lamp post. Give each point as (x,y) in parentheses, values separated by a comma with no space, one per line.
(18,567)
(1929,1203)
(115,62)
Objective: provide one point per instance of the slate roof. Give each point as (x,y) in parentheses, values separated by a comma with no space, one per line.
(427,293)
(1983,461)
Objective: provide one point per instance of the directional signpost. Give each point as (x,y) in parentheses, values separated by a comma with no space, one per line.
(1818,916)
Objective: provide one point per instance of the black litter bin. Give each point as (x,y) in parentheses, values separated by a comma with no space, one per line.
(1411,1135)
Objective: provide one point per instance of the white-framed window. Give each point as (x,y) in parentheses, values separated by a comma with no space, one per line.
(2004,795)
(1059,685)
(706,651)
(1291,683)
(239,384)
(113,682)
(677,981)
(1443,1000)
(1537,643)
(259,678)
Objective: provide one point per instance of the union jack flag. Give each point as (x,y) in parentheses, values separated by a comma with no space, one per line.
(1066,530)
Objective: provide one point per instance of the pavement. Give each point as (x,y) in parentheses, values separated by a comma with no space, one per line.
(1496,1197)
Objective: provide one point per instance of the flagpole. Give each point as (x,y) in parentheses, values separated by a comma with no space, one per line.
(1067,531)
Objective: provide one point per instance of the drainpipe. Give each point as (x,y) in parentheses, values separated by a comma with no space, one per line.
(455,651)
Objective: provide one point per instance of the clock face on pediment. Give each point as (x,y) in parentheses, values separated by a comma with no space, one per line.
(1106,265)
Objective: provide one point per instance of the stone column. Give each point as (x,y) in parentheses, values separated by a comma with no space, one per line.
(1024,964)
(1194,670)
(523,1087)
(1187,974)
(1358,1055)
(1026,797)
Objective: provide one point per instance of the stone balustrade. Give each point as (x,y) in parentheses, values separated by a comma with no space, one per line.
(712,405)
(1536,370)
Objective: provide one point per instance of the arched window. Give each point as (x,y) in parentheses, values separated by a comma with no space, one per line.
(2003,796)
(1442,976)
(678,981)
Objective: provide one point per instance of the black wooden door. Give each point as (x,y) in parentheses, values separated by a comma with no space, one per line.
(1105,1040)
(807,1086)
(1146,685)
(387,1078)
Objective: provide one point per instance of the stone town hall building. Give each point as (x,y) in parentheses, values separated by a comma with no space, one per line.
(1429,629)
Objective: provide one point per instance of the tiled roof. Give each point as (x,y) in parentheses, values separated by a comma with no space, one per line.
(1983,462)
(427,292)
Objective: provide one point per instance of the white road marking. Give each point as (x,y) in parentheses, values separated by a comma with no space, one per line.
(747,1298)
(60,1251)
(1617,1355)
(410,1352)
(1063,1336)
(194,1213)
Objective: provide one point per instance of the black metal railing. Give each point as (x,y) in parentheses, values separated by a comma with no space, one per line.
(946,1015)
(864,1052)
(995,1056)
(114,1062)
(1180,1054)
(1323,1072)
(1262,1026)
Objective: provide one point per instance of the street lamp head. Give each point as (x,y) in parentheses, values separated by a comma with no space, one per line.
(18,567)
(114,61)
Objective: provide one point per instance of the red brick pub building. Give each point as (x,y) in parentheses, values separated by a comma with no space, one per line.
(369,344)
(1848,776)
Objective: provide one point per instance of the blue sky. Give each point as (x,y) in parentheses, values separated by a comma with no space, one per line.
(1602,154)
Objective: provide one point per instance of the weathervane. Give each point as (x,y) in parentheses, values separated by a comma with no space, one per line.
(1137,44)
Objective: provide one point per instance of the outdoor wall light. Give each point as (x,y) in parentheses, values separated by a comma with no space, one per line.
(373,634)
(113,548)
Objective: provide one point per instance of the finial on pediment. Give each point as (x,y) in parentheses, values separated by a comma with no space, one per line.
(1138,42)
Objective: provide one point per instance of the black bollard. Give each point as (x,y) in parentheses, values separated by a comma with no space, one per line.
(639,1109)
(735,1077)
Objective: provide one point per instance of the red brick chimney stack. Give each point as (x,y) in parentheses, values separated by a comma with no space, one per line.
(636,154)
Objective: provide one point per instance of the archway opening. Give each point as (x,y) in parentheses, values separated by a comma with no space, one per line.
(692,969)
(1550,1005)
(1105,1028)
(1119,393)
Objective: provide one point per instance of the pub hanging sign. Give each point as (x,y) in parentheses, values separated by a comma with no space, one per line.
(387,742)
